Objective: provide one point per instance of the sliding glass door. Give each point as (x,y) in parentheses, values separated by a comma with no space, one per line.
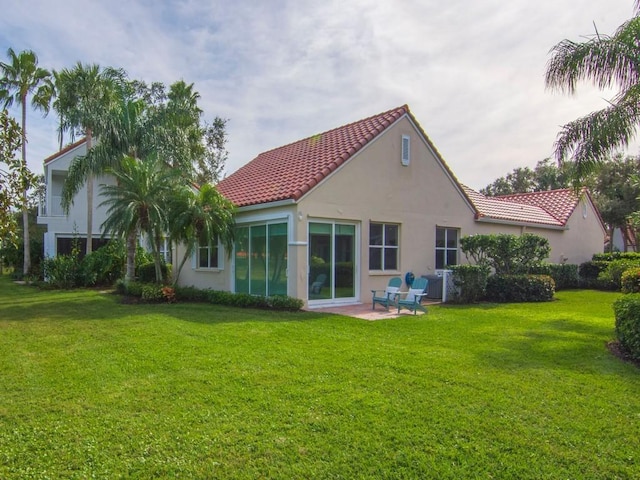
(332,261)
(261,259)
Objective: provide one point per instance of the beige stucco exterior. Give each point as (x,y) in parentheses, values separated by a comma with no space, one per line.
(374,186)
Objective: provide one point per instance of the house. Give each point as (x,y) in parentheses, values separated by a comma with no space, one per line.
(335,215)
(63,228)
(329,218)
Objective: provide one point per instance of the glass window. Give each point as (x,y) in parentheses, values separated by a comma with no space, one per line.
(446,247)
(208,256)
(384,250)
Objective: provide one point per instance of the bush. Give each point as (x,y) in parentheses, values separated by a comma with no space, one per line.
(471,281)
(147,272)
(565,275)
(588,273)
(611,276)
(107,263)
(627,313)
(67,271)
(609,257)
(151,293)
(631,280)
(191,294)
(520,288)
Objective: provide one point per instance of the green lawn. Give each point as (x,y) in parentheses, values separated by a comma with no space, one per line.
(91,388)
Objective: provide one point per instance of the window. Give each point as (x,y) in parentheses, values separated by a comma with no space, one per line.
(208,256)
(165,250)
(383,246)
(406,150)
(446,247)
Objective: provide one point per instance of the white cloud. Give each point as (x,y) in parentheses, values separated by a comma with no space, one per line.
(472,72)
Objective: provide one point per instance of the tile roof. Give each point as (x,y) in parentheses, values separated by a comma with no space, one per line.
(65,150)
(552,207)
(288,172)
(559,203)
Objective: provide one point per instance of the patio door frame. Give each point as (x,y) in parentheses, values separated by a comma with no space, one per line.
(333,300)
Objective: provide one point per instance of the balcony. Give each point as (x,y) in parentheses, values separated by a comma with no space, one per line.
(53,209)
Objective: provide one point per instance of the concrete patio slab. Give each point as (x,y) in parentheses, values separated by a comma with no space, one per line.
(364,311)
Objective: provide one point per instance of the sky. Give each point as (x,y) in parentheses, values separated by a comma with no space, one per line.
(472,72)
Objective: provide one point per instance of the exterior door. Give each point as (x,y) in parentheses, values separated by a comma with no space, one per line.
(332,261)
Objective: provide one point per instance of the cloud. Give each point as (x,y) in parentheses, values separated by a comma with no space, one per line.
(472,72)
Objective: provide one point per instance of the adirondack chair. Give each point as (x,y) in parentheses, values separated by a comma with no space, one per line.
(387,296)
(413,297)
(317,285)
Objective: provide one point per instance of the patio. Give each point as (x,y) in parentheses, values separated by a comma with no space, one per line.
(364,311)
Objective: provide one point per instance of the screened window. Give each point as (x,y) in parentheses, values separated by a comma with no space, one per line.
(446,247)
(208,256)
(384,250)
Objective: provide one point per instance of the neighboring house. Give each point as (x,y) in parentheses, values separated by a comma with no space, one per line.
(329,218)
(333,216)
(61,228)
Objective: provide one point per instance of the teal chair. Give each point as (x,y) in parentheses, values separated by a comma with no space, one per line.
(413,298)
(387,296)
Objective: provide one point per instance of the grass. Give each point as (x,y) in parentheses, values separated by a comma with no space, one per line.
(92,388)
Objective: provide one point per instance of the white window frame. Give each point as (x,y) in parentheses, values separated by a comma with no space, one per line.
(383,247)
(446,248)
(219,257)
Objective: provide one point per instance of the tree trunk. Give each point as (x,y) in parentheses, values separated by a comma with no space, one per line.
(131,257)
(89,198)
(26,265)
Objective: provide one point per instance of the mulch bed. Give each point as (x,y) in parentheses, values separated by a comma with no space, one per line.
(617,350)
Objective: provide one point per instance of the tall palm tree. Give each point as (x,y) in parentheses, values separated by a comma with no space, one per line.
(86,95)
(608,61)
(20,78)
(138,204)
(199,218)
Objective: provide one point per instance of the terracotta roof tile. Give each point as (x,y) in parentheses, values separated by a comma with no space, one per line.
(288,172)
(553,207)
(559,203)
(65,150)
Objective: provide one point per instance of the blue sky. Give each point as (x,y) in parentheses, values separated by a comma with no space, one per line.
(471,72)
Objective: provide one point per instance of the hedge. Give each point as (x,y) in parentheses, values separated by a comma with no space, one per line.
(520,288)
(627,313)
(565,275)
(152,292)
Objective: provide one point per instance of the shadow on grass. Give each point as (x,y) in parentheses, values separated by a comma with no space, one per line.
(561,343)
(28,303)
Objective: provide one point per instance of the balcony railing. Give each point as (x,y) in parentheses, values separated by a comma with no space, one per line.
(54,209)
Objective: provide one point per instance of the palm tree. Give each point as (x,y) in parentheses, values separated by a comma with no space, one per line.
(20,78)
(86,94)
(608,61)
(138,204)
(200,218)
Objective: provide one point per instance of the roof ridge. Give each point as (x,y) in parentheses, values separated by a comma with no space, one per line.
(404,107)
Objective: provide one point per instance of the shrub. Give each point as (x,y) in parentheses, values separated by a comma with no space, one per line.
(627,313)
(631,280)
(147,272)
(107,263)
(191,294)
(588,273)
(565,275)
(471,281)
(506,253)
(609,257)
(67,271)
(520,288)
(151,293)
(611,276)
(133,289)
